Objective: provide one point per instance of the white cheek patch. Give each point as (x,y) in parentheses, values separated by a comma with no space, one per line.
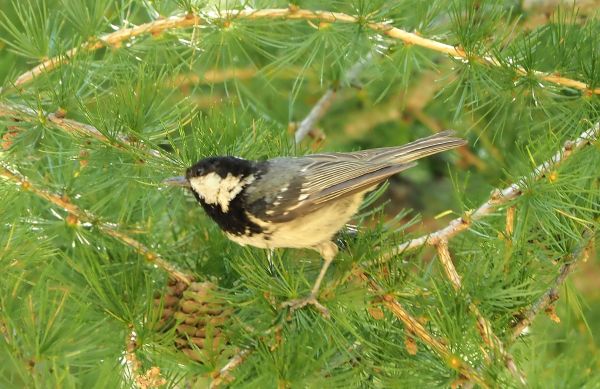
(207,187)
(219,191)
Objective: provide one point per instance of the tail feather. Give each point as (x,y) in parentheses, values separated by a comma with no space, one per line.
(418,149)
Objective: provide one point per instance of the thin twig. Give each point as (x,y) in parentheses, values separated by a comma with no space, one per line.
(223,375)
(322,106)
(551,295)
(483,325)
(291,13)
(149,379)
(510,222)
(315,114)
(498,197)
(411,324)
(417,328)
(448,265)
(86,216)
(213,76)
(70,126)
(132,363)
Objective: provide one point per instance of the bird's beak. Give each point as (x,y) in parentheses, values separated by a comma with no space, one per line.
(176,181)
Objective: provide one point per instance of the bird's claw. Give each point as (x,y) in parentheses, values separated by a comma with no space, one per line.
(311,299)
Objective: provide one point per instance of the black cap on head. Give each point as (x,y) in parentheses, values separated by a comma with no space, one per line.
(221,166)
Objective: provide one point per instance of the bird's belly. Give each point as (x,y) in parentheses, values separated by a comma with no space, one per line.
(305,231)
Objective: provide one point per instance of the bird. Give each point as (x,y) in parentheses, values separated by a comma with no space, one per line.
(299,202)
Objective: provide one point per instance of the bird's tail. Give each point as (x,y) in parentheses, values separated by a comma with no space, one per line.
(418,149)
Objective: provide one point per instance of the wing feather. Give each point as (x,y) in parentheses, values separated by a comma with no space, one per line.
(320,178)
(311,203)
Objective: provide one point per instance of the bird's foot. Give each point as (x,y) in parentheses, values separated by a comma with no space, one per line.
(311,299)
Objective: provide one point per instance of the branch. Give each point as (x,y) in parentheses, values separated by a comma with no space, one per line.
(291,13)
(149,379)
(483,325)
(315,114)
(77,214)
(411,324)
(322,106)
(498,197)
(551,295)
(448,265)
(213,76)
(69,126)
(132,363)
(223,375)
(438,345)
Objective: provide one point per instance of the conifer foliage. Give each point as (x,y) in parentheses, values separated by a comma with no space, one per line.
(477,268)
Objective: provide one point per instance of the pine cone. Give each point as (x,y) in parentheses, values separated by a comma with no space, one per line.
(198,316)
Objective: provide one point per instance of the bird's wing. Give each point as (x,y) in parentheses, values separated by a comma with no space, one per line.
(323,186)
(315,180)
(314,188)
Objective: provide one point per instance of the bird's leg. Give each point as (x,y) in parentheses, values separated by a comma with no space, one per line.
(328,251)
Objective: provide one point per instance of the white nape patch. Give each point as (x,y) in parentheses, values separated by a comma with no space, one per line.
(303,197)
(219,191)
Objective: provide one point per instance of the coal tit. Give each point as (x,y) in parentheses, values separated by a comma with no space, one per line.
(299,202)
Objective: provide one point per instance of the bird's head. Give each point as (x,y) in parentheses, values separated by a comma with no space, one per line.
(216,180)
